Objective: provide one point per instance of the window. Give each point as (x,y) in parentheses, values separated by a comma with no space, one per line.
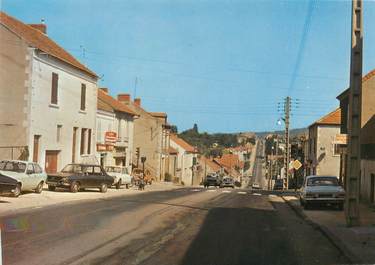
(30,169)
(83,96)
(83,139)
(97,171)
(58,134)
(336,149)
(54,90)
(89,142)
(38,169)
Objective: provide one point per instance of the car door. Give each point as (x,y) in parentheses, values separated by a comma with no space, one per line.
(28,179)
(98,176)
(39,175)
(87,178)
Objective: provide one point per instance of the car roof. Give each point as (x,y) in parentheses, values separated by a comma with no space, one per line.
(86,165)
(18,161)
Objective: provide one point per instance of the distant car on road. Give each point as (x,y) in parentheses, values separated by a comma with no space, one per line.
(322,190)
(79,176)
(120,176)
(279,184)
(255,186)
(227,182)
(211,180)
(28,175)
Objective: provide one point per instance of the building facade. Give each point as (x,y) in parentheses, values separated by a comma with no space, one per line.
(115,131)
(186,161)
(323,157)
(49,104)
(367,137)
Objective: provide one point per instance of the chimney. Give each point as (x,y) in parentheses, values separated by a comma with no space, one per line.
(137,102)
(41,27)
(104,89)
(124,98)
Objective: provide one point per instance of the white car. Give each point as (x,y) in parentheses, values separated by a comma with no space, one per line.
(30,176)
(255,186)
(121,176)
(322,190)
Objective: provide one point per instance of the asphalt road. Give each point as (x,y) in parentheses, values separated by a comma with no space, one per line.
(185,226)
(258,176)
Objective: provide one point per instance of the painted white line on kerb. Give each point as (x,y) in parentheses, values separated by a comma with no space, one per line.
(211,190)
(1,250)
(241,192)
(226,191)
(272,196)
(195,190)
(257,194)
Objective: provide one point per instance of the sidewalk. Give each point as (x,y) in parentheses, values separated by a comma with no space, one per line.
(358,243)
(27,201)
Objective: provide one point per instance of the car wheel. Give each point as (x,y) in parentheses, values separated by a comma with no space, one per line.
(17,190)
(127,186)
(39,188)
(51,188)
(74,187)
(103,188)
(118,184)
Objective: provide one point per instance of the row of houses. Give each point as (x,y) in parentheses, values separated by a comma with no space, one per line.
(54,113)
(326,144)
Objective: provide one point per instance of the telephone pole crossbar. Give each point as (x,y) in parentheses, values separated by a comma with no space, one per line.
(354,126)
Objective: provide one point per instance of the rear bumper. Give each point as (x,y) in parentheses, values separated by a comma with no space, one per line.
(58,184)
(324,200)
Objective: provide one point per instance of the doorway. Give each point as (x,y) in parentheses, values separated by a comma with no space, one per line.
(51,161)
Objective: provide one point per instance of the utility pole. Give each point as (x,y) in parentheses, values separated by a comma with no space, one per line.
(355,109)
(287,151)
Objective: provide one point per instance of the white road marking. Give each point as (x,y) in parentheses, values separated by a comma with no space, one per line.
(211,190)
(241,192)
(226,191)
(257,194)
(272,195)
(195,190)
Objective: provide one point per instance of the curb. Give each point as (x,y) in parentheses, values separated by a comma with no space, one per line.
(337,242)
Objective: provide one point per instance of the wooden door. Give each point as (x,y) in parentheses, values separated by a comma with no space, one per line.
(36,149)
(51,161)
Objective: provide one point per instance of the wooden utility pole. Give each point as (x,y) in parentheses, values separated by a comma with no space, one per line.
(355,109)
(287,151)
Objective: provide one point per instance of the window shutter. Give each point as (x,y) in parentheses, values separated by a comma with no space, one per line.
(54,92)
(83,96)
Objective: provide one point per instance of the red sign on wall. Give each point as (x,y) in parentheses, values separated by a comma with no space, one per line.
(110,137)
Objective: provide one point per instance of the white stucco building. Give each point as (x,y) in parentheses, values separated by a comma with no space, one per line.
(114,130)
(323,155)
(50,99)
(187,156)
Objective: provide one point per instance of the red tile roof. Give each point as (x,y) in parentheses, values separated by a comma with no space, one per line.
(115,104)
(159,114)
(182,143)
(333,118)
(210,163)
(37,39)
(229,161)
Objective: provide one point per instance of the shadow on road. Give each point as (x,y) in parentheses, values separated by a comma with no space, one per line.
(240,236)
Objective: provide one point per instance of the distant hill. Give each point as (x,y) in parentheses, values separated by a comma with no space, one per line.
(293,132)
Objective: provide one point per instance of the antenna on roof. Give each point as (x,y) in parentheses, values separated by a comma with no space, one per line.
(135,87)
(42,21)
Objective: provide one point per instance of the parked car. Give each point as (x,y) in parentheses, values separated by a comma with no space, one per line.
(120,176)
(322,190)
(227,182)
(80,176)
(7,185)
(211,180)
(255,186)
(29,176)
(279,184)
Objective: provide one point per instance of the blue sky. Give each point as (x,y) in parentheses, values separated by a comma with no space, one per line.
(224,65)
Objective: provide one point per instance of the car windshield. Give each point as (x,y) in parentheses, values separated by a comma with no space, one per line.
(13,166)
(322,181)
(72,169)
(113,169)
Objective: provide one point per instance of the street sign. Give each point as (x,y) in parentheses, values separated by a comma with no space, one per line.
(341,139)
(143,159)
(110,137)
(296,164)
